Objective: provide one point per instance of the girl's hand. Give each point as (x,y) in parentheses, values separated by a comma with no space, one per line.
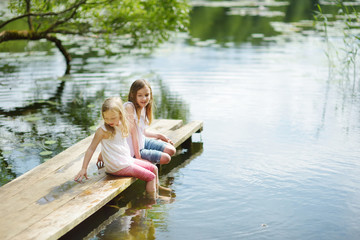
(100,163)
(79,177)
(169,141)
(165,139)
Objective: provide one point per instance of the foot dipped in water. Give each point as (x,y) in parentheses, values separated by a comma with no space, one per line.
(165,194)
(164,199)
(151,195)
(164,190)
(158,197)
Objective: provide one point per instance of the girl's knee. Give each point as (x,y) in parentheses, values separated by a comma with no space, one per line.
(165,158)
(150,177)
(170,149)
(155,169)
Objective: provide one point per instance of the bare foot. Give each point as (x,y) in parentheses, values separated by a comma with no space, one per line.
(165,199)
(165,190)
(151,195)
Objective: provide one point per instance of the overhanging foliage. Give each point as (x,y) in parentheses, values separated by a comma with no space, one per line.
(141,22)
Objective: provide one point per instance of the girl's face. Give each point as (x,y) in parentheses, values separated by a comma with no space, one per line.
(111,118)
(143,96)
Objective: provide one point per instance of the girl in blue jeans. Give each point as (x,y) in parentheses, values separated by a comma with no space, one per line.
(154,147)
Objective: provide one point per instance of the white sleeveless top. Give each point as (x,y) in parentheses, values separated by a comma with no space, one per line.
(141,125)
(115,152)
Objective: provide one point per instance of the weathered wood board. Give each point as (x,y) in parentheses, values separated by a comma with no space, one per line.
(45,203)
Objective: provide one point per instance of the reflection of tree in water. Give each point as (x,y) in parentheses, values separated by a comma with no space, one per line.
(6,69)
(6,174)
(220,24)
(299,10)
(168,105)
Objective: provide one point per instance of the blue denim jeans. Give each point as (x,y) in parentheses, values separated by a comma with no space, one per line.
(152,150)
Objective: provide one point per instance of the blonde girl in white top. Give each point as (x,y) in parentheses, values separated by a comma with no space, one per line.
(115,151)
(154,147)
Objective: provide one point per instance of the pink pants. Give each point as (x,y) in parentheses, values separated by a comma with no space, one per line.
(140,169)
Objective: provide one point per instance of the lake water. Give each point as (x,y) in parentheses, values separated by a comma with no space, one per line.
(280,147)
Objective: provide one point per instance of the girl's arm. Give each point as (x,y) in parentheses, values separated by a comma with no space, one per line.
(133,130)
(157,136)
(99,134)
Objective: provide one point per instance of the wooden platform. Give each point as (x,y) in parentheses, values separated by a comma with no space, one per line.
(45,203)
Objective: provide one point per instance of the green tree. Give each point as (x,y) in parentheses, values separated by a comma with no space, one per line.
(127,23)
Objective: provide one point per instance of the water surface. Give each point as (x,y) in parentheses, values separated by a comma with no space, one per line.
(280,146)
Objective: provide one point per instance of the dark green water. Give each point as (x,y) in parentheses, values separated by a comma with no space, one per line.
(279,154)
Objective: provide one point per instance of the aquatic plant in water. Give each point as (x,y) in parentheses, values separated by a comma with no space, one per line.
(343,44)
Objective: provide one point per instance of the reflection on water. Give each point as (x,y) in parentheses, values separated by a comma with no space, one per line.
(134,224)
(236,22)
(135,221)
(279,158)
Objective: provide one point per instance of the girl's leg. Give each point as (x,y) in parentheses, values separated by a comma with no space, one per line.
(157,151)
(166,154)
(169,149)
(139,173)
(142,170)
(151,167)
(165,158)
(154,169)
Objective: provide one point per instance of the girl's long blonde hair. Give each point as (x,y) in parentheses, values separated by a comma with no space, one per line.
(135,87)
(115,104)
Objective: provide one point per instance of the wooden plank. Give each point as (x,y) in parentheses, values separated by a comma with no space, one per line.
(165,125)
(45,203)
(178,136)
(78,209)
(43,198)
